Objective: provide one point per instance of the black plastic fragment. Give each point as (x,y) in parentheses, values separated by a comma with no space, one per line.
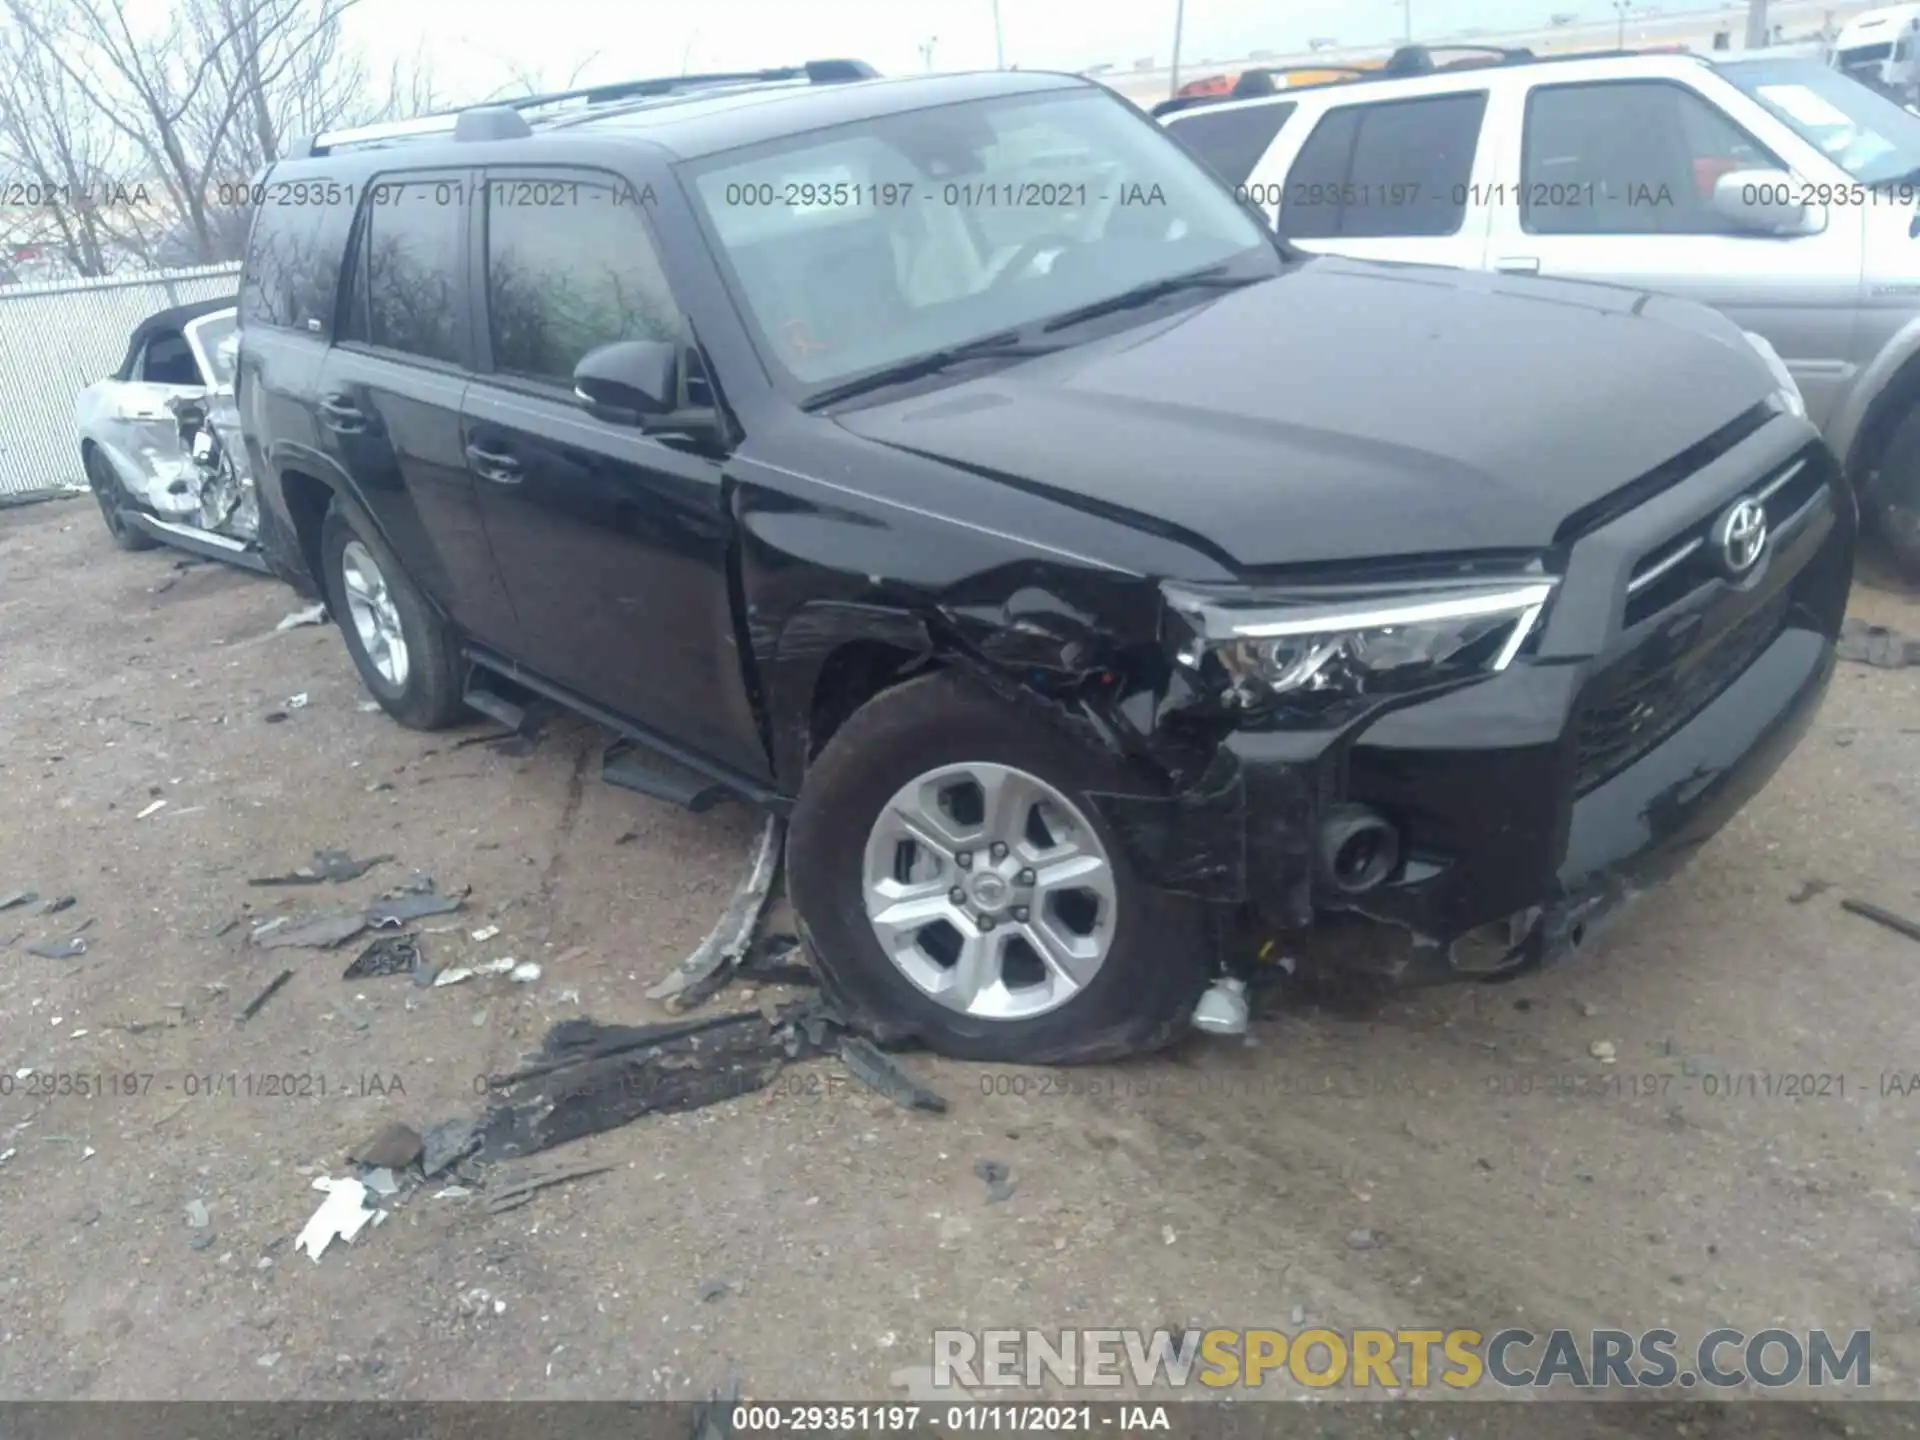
(18,897)
(446,1145)
(766,962)
(1897,923)
(55,906)
(328,865)
(255,1005)
(873,1066)
(70,949)
(389,955)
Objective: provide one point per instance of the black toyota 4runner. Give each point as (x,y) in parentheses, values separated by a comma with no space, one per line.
(954,464)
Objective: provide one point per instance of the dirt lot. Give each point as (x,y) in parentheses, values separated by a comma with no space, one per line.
(1501,1172)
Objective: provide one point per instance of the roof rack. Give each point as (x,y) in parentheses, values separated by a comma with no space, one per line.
(1406,62)
(506,119)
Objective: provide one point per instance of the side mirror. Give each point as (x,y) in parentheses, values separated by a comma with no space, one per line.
(629,381)
(1763,201)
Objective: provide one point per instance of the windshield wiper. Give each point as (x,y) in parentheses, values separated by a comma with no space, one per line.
(1012,343)
(1215,277)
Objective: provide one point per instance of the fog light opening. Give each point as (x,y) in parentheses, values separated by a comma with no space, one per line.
(1359,849)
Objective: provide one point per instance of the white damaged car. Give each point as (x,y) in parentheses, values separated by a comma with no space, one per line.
(160,439)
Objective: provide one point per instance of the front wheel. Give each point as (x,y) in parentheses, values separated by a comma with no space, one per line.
(405,652)
(958,887)
(1890,499)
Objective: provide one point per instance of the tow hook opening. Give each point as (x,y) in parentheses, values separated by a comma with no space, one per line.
(1359,849)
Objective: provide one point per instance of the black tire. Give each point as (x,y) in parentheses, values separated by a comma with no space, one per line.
(1154,973)
(112,496)
(1891,496)
(430,697)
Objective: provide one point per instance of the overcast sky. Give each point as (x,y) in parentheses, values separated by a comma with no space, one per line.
(471,42)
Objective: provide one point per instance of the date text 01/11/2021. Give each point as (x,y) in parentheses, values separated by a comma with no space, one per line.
(531,194)
(1000,1419)
(231,1084)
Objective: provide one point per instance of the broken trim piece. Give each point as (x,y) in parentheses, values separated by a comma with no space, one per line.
(731,938)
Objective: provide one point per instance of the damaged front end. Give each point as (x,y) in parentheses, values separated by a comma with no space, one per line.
(208,430)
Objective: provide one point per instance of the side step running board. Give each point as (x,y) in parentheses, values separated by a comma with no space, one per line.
(635,767)
(204,543)
(495,707)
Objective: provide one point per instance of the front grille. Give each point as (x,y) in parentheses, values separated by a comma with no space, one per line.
(1681,564)
(1625,718)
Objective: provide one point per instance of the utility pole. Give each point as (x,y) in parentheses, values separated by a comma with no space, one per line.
(999,50)
(1179,21)
(1621,7)
(1756,24)
(1406,10)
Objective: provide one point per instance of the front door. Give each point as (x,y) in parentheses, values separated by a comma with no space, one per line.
(614,544)
(1615,183)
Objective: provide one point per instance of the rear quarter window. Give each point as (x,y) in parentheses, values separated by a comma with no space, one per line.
(1230,142)
(291,280)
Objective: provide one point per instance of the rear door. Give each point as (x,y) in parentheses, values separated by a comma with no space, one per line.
(1614,181)
(391,387)
(614,544)
(1392,179)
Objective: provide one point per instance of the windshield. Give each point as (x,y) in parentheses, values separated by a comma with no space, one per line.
(215,339)
(868,244)
(1869,136)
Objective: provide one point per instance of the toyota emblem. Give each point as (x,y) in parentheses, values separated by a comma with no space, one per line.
(1740,536)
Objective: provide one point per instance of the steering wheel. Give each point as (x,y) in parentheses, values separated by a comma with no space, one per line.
(1026,255)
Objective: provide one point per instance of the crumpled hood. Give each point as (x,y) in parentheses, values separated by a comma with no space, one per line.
(1347,410)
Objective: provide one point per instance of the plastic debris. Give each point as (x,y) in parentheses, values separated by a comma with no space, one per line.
(335,865)
(1000,1187)
(388,955)
(381,1182)
(513,1195)
(197,1215)
(878,1070)
(1897,923)
(1876,645)
(154,809)
(321,932)
(1603,1051)
(1808,890)
(485,933)
(297,702)
(342,1215)
(525,973)
(393,910)
(71,949)
(312,615)
(18,897)
(733,935)
(255,1005)
(55,906)
(393,1147)
(446,1144)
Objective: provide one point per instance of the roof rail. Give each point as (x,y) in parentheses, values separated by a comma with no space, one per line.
(1407,62)
(488,121)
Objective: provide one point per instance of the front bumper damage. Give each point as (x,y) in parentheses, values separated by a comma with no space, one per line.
(1521,835)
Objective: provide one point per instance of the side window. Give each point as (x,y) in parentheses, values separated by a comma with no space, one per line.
(570,267)
(408,292)
(1395,168)
(294,250)
(168,361)
(1632,157)
(1231,142)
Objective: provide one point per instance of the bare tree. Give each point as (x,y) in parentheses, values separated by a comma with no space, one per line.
(194,107)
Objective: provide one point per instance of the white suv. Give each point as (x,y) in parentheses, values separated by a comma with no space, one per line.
(1773,188)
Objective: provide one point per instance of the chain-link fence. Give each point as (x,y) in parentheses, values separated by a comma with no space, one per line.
(55,340)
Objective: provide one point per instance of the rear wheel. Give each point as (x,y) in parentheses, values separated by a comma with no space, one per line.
(959,888)
(112,497)
(405,652)
(1891,496)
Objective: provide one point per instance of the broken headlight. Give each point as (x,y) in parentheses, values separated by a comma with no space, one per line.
(1320,650)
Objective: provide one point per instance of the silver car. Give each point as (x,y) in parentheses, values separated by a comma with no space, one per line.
(1771,187)
(160,439)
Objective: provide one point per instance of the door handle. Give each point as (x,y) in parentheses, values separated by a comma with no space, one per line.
(339,413)
(493,465)
(1517,265)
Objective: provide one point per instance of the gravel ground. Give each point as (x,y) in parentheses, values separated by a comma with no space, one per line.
(1456,1157)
